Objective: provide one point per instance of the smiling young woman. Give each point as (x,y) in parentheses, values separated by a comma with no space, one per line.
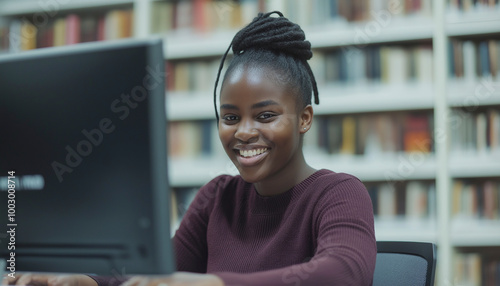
(279,222)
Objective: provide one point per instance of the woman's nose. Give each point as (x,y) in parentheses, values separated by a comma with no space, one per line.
(246,132)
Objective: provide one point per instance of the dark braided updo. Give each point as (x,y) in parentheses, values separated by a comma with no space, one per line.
(278,44)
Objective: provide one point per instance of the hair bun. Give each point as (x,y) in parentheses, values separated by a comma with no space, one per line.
(275,34)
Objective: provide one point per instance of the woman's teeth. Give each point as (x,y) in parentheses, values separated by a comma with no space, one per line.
(254,152)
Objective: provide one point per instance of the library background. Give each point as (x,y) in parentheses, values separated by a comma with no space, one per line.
(410,102)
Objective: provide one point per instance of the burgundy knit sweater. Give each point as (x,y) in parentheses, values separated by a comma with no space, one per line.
(320,232)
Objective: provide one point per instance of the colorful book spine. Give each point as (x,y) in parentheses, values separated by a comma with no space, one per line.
(470,60)
(412,200)
(472,199)
(374,134)
(66,30)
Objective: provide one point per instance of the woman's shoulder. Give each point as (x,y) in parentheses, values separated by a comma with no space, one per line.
(343,190)
(331,178)
(223,182)
(334,185)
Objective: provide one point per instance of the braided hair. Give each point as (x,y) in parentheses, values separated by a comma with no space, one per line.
(278,44)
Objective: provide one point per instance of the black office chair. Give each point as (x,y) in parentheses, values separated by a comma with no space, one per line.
(405,263)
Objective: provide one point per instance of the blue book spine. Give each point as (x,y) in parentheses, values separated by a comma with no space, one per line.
(484,58)
(206,137)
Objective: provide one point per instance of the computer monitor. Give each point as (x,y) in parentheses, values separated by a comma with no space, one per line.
(84,129)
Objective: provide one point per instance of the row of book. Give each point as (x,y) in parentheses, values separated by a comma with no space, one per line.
(473,5)
(413,200)
(369,135)
(476,199)
(469,60)
(30,32)
(475,132)
(319,12)
(201,16)
(388,64)
(192,76)
(193,139)
(348,65)
(476,269)
(351,65)
(372,134)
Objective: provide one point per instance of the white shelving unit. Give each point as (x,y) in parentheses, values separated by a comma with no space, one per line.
(406,230)
(471,233)
(439,97)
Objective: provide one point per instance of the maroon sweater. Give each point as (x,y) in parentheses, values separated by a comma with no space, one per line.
(320,232)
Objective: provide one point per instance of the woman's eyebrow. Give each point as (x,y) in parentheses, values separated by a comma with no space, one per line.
(229,106)
(255,106)
(264,103)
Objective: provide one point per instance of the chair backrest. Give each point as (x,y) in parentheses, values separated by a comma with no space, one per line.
(405,263)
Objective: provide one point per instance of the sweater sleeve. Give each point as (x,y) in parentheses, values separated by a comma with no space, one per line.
(346,246)
(190,239)
(108,280)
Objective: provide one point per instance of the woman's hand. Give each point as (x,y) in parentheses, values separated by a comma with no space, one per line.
(49,279)
(177,279)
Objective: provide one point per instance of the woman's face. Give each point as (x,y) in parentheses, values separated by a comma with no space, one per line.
(259,125)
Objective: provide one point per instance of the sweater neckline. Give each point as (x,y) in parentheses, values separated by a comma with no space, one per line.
(276,204)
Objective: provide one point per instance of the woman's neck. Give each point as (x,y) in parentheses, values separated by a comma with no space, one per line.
(285,179)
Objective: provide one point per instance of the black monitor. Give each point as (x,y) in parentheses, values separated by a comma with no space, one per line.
(84,129)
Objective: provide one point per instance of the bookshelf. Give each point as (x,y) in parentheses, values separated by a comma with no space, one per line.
(437,35)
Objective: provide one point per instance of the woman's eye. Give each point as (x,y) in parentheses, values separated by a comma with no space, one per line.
(230,118)
(265,116)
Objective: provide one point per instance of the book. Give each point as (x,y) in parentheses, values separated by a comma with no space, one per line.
(493,134)
(348,136)
(484,62)
(28,36)
(59,32)
(72,29)
(417,200)
(481,132)
(417,136)
(181,76)
(493,57)
(469,61)
(476,199)
(162,13)
(88,27)
(45,35)
(386,202)
(468,268)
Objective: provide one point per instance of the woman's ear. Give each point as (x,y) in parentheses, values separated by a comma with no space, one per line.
(306,118)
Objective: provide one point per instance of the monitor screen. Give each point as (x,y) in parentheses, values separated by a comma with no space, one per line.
(83,163)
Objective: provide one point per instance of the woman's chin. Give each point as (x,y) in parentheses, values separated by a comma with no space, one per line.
(251,176)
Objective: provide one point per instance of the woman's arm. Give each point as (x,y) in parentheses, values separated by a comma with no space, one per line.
(190,240)
(23,279)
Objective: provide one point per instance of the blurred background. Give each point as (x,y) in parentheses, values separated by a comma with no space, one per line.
(409,92)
